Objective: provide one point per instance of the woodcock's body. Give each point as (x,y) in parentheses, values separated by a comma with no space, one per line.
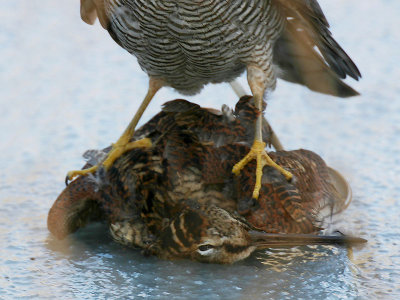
(179,198)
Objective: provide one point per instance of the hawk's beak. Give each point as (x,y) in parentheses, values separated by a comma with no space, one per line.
(270,240)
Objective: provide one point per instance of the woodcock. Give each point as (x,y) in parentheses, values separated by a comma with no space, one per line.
(176,197)
(186,44)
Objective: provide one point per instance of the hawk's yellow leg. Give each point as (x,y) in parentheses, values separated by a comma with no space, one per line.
(116,151)
(123,144)
(257,82)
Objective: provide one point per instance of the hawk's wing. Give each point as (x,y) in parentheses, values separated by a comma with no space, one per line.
(307,53)
(93,9)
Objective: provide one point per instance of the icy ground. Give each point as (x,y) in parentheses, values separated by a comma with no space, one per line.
(66,87)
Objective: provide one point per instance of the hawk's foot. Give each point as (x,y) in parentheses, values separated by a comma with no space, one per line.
(116,151)
(258,152)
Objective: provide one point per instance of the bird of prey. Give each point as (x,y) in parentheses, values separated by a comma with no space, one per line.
(179,199)
(186,44)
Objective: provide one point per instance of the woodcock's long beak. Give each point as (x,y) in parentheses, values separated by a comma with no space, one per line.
(270,240)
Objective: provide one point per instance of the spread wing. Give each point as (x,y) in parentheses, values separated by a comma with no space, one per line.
(74,208)
(308,54)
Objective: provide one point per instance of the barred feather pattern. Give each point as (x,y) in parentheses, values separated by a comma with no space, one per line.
(190,43)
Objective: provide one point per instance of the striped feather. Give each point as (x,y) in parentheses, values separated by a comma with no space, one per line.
(192,43)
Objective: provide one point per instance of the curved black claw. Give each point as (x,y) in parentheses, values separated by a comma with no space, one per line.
(246,204)
(67,180)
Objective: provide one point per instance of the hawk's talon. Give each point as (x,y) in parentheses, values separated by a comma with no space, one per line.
(75,173)
(258,152)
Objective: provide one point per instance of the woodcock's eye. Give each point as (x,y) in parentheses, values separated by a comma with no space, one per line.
(205,249)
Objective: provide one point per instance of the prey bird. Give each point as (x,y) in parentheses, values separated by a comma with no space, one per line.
(179,199)
(186,44)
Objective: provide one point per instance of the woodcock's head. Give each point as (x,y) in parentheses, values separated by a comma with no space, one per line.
(212,234)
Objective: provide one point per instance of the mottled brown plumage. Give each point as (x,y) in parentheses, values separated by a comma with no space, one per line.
(179,198)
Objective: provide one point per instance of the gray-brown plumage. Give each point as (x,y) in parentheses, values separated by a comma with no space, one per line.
(179,198)
(190,43)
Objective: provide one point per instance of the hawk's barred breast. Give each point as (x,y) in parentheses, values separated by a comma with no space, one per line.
(190,43)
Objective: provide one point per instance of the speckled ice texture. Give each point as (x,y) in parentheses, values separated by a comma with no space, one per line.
(66,87)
